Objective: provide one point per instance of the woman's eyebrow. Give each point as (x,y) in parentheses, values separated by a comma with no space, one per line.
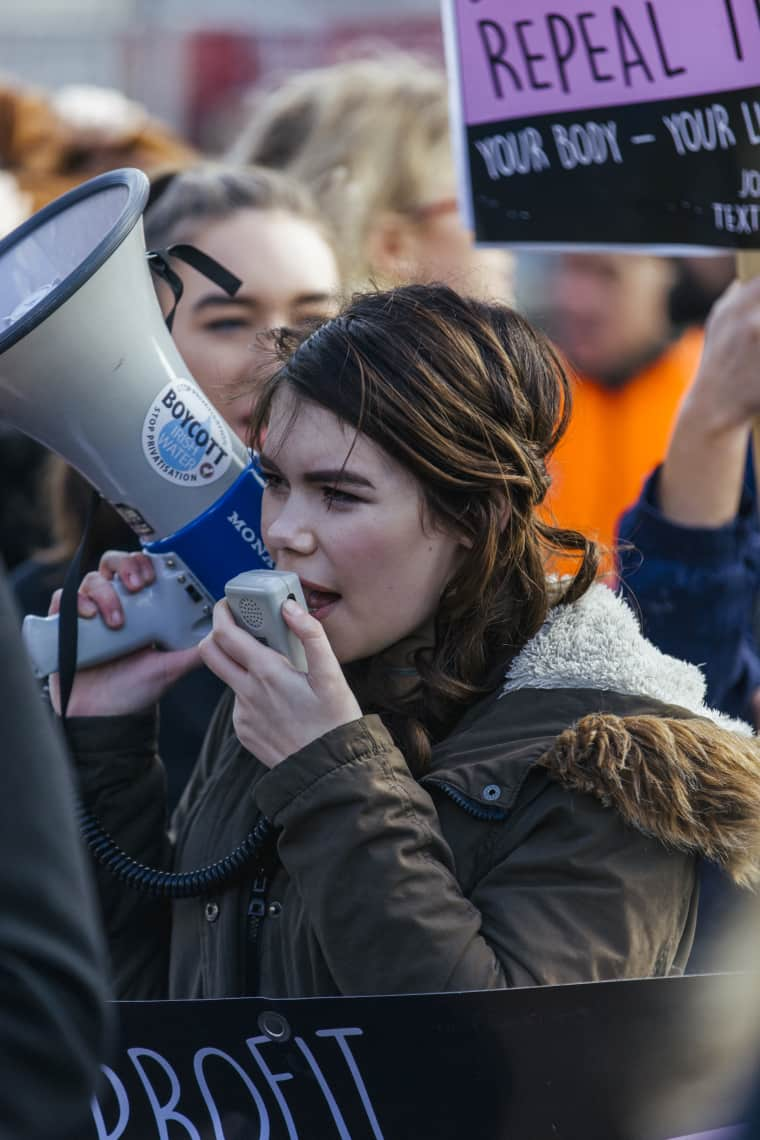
(219,300)
(338,475)
(324,475)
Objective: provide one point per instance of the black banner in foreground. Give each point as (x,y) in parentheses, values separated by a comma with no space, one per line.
(664,172)
(586,1061)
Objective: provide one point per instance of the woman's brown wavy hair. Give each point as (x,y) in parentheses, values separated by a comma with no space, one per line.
(472,400)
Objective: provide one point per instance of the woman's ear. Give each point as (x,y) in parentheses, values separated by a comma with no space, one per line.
(504,510)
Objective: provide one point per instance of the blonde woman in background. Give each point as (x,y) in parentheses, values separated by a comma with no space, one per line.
(371,139)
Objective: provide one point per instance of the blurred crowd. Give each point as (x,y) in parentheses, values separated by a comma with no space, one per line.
(342,179)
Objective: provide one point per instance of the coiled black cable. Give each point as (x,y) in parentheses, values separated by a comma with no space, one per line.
(173,884)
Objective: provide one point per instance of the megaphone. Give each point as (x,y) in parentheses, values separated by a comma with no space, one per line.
(88,368)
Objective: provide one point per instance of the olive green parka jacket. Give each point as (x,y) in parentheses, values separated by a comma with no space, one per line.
(554,839)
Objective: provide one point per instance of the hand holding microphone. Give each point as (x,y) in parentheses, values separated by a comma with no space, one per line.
(279,707)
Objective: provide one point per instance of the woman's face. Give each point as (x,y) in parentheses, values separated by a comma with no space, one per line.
(288,273)
(430,243)
(348,519)
(608,310)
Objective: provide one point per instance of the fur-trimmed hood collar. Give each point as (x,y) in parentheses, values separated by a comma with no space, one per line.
(692,782)
(596,643)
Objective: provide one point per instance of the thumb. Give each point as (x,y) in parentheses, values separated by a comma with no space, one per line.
(320,659)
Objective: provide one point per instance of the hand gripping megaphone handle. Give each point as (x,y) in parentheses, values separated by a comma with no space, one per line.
(173,612)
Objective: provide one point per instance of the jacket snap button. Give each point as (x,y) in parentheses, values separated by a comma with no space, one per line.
(491,792)
(274,909)
(212,911)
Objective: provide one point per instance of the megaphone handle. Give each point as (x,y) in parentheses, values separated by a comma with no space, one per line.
(174,612)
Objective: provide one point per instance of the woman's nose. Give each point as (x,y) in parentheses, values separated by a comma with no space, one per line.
(288,527)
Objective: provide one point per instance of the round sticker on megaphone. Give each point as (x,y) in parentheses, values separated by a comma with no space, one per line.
(184,438)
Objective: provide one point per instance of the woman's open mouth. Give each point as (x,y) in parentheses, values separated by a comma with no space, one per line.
(319,601)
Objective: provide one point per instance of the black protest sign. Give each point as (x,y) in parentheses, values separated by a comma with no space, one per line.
(585,123)
(551,1062)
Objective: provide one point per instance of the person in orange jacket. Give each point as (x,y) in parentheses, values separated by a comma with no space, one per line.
(609,313)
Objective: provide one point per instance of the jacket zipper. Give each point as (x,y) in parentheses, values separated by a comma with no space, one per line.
(472,807)
(255,915)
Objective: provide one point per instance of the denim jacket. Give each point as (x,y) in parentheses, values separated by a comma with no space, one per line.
(696,592)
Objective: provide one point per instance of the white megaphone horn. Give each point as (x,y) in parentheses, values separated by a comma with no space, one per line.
(88,368)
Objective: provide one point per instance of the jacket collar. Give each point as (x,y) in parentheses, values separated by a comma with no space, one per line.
(647,746)
(596,643)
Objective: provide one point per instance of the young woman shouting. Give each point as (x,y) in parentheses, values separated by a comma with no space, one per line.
(487,778)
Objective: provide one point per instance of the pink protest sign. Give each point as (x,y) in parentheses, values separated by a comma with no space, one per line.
(584,122)
(523,58)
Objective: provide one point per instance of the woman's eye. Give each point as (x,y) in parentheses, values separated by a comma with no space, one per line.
(272,482)
(226,324)
(334,497)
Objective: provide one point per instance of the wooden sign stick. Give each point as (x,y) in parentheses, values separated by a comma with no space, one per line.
(747,263)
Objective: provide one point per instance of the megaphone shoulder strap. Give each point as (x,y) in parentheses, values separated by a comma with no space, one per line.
(158,260)
(68,617)
(206,265)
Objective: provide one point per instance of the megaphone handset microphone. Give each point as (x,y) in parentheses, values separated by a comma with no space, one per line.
(255,598)
(88,368)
